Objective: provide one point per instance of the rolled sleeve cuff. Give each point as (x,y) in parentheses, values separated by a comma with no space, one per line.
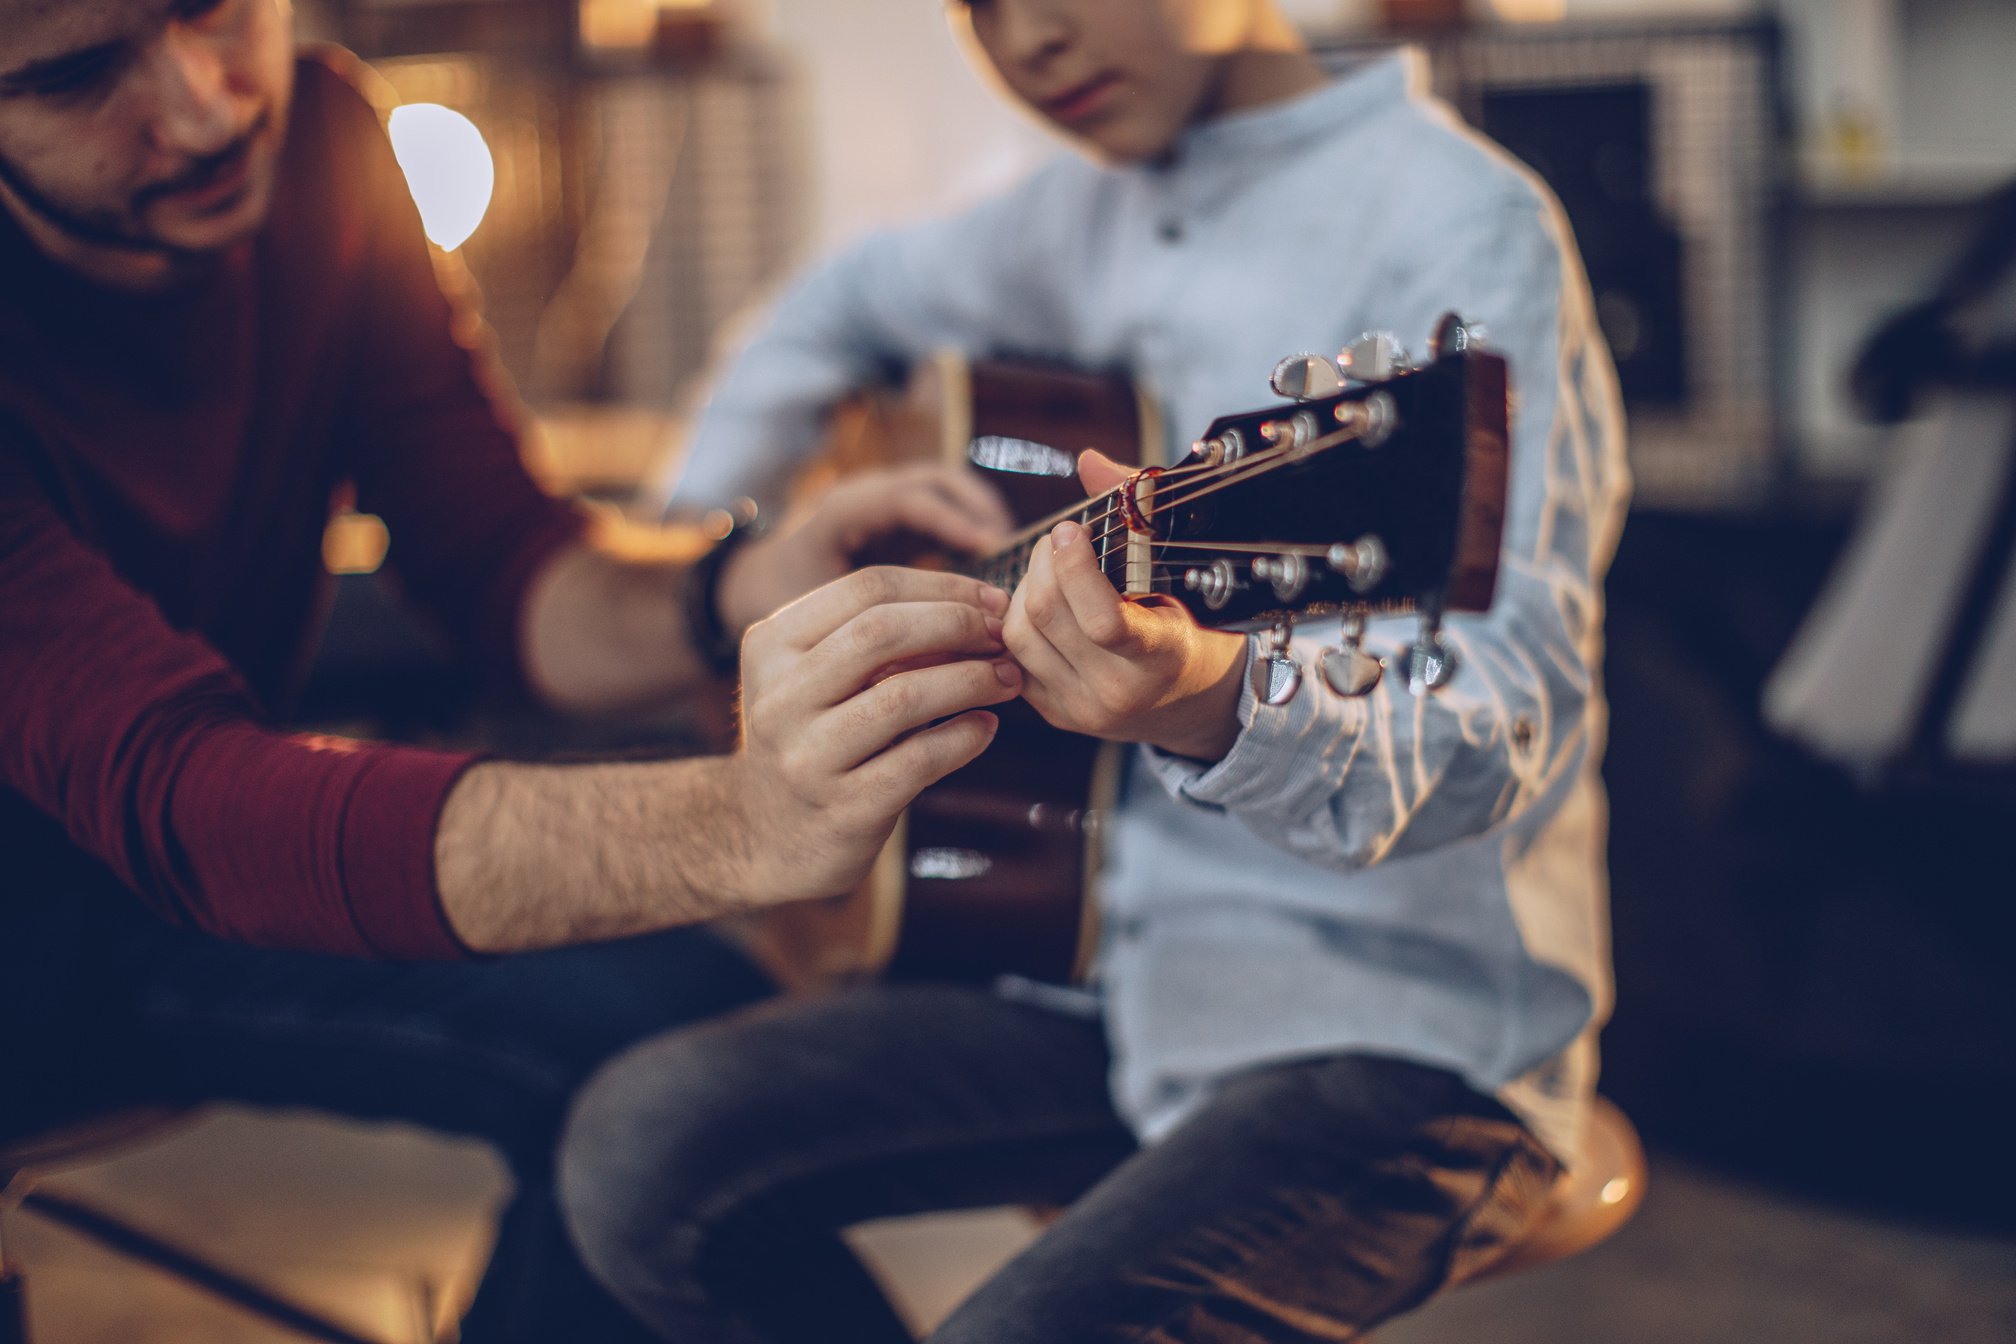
(1265,764)
(387,853)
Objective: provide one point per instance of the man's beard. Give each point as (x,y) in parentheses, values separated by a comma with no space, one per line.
(120,230)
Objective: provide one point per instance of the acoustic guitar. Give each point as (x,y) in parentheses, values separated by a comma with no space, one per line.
(1379,491)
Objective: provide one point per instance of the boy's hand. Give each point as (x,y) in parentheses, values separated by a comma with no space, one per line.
(1127,671)
(820,540)
(835,744)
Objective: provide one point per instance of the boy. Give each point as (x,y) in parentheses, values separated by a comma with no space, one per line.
(1342,1031)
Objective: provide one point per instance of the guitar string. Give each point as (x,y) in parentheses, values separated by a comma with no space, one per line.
(1243,468)
(1205,480)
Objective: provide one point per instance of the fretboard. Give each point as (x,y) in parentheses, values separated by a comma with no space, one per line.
(1004,568)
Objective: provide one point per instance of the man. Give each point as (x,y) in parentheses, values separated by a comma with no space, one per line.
(1342,1029)
(216,309)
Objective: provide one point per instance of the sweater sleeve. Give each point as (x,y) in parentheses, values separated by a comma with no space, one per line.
(142,742)
(981,282)
(1349,782)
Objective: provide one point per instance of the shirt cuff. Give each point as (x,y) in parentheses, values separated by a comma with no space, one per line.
(1261,768)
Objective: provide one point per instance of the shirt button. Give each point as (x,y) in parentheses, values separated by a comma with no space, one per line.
(1171,231)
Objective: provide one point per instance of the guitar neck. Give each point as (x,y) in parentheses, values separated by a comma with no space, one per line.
(1005,568)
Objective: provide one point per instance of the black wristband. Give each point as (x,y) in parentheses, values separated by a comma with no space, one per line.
(718,648)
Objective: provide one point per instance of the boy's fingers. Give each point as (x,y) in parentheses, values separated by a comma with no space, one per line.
(970,493)
(1099,473)
(1096,609)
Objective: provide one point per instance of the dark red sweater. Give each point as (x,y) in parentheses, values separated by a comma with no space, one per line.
(166,468)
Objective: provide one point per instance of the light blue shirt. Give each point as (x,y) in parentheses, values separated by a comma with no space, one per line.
(1415,877)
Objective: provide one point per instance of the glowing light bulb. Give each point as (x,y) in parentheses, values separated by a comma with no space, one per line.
(448,169)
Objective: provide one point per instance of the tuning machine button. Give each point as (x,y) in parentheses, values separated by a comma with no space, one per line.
(1220,448)
(1363,562)
(1370,421)
(1430,664)
(1276,674)
(1288,573)
(1305,378)
(1215,582)
(1296,432)
(1374,357)
(1348,669)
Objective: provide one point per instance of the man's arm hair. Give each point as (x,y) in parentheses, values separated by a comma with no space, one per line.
(841,729)
(532,856)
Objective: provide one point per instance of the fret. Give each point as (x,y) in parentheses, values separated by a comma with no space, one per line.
(1005,568)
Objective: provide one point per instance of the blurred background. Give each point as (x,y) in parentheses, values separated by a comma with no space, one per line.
(1812,641)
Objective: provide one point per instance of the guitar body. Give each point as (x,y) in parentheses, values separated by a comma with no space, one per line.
(992,869)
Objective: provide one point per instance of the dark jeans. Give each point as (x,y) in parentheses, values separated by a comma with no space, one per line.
(705,1174)
(104,1006)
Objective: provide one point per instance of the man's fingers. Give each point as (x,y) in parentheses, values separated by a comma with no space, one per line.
(885,713)
(848,660)
(822,611)
(905,770)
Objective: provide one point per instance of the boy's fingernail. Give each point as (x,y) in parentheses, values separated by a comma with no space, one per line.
(1064,534)
(1008,672)
(994,599)
(994,629)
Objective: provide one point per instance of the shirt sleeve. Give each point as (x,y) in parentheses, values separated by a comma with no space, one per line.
(973,282)
(143,743)
(434,430)
(1351,782)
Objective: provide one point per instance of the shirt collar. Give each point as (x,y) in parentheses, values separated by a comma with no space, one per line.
(1275,128)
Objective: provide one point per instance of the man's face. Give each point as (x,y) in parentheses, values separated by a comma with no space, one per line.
(142,126)
(1123,76)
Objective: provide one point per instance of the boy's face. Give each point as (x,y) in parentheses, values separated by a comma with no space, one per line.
(1122,76)
(142,126)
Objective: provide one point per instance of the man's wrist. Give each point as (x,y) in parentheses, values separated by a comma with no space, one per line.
(716,639)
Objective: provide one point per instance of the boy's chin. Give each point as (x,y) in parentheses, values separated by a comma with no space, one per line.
(1124,147)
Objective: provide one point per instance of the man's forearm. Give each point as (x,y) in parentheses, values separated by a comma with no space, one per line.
(834,746)
(531,856)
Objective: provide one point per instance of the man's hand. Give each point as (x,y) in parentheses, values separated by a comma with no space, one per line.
(855,698)
(844,692)
(1127,671)
(822,539)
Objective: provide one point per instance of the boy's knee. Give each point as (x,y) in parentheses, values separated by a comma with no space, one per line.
(642,1158)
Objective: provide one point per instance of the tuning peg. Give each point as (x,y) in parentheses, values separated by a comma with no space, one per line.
(1288,573)
(1215,582)
(1276,674)
(1362,562)
(1430,664)
(1374,357)
(1348,669)
(1227,447)
(1305,377)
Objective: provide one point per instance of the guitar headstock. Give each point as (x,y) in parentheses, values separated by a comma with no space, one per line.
(1380,493)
